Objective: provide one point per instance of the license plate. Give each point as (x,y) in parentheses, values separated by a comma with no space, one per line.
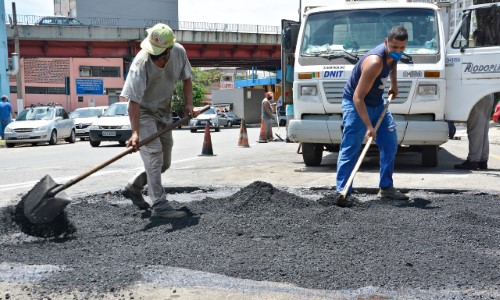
(23,136)
(203,122)
(109,133)
(80,131)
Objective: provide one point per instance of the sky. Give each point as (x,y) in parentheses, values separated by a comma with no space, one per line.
(255,12)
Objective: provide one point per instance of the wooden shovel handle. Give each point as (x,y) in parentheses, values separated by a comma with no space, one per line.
(129,150)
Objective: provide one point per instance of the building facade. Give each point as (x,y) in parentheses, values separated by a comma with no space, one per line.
(122,12)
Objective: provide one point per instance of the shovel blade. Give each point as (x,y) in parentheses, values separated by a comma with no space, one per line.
(42,207)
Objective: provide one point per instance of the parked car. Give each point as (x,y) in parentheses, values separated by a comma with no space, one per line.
(40,124)
(85,116)
(59,21)
(214,118)
(496,114)
(112,126)
(232,118)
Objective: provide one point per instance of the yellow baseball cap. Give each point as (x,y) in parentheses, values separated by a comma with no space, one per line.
(160,37)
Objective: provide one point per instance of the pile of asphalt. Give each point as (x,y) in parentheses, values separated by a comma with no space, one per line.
(444,245)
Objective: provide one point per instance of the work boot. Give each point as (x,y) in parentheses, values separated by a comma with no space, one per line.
(168,212)
(467,165)
(391,193)
(135,195)
(483,165)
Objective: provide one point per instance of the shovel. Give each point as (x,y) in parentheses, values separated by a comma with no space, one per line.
(47,200)
(342,199)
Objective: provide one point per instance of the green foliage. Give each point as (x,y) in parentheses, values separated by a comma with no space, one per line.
(202,79)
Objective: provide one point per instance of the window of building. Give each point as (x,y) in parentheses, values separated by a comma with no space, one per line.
(44,90)
(97,71)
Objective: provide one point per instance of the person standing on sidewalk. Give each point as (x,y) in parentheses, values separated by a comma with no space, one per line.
(5,114)
(267,115)
(149,86)
(477,134)
(362,105)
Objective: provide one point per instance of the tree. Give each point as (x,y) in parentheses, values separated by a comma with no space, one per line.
(202,79)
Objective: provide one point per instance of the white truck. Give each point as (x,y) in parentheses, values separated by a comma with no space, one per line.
(439,78)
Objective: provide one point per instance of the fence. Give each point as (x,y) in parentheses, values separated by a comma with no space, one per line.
(145,23)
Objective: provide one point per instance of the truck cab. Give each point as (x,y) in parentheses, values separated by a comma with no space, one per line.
(438,78)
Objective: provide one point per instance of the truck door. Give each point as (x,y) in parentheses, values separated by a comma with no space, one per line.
(472,61)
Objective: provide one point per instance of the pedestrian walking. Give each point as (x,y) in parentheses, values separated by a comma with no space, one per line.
(362,105)
(149,87)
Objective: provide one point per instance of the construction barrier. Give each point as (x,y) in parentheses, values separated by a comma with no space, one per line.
(262,135)
(243,139)
(207,142)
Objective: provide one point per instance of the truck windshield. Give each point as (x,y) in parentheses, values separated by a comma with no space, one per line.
(357,31)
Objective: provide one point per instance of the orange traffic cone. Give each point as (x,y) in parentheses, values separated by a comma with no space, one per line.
(243,139)
(262,136)
(207,142)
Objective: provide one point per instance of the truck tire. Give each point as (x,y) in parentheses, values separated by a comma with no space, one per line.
(430,156)
(312,154)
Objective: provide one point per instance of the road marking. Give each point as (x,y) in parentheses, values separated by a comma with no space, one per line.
(26,184)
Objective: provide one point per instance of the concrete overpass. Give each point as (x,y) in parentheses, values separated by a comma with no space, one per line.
(205,48)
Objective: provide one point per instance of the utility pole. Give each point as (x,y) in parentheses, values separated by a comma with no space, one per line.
(19,76)
(300,10)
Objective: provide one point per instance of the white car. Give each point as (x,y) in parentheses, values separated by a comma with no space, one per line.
(85,116)
(40,124)
(113,125)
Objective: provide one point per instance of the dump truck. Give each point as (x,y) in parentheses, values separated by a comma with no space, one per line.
(441,76)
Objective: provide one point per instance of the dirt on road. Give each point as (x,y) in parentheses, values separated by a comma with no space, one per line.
(262,242)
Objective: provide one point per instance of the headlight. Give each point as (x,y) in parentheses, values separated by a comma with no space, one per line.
(427,90)
(308,90)
(93,127)
(8,129)
(41,128)
(126,127)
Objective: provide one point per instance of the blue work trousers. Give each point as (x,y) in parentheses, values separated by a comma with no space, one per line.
(3,123)
(352,140)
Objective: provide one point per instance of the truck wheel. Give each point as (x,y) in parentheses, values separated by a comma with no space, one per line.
(312,154)
(430,156)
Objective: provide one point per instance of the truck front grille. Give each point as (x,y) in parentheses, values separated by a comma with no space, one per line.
(334,90)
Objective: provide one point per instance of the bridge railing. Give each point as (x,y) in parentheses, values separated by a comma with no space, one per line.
(146,23)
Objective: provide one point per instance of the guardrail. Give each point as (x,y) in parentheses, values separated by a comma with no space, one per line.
(146,23)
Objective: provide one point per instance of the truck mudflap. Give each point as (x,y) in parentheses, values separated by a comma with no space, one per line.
(425,133)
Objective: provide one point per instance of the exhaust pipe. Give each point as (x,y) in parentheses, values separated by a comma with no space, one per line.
(15,65)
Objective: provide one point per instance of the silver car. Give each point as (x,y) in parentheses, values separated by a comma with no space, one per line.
(85,116)
(214,119)
(40,124)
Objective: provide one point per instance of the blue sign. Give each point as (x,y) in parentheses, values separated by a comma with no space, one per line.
(89,86)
